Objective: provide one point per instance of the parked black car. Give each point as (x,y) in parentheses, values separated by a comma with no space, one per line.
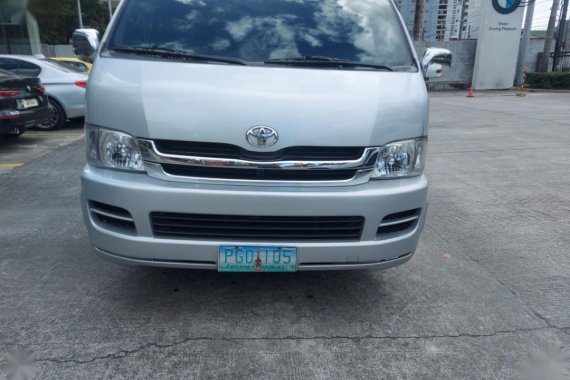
(23,103)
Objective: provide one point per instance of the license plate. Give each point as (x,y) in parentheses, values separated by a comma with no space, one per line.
(257,259)
(27,103)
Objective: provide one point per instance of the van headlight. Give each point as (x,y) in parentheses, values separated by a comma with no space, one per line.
(112,149)
(400,159)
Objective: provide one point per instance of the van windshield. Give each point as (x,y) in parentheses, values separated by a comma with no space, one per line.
(365,31)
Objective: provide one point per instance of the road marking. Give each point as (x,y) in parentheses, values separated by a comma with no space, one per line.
(10,165)
(54,133)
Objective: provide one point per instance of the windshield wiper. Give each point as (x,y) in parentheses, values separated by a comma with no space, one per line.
(177,54)
(317,60)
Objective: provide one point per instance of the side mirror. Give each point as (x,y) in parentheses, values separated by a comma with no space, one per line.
(85,43)
(434,60)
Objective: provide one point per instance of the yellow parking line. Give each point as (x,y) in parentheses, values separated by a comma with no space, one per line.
(55,133)
(11,165)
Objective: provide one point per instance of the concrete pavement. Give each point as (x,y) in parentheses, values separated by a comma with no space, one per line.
(33,144)
(486,291)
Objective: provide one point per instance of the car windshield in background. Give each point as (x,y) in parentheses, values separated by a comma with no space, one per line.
(285,32)
(57,65)
(4,73)
(69,65)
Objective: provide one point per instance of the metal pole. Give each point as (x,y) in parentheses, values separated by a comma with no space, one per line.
(565,41)
(544,65)
(79,13)
(561,34)
(419,20)
(462,20)
(5,32)
(524,42)
(110,9)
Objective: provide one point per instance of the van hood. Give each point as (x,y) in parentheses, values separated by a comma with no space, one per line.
(219,103)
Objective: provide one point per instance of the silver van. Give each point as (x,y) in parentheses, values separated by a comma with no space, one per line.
(256,135)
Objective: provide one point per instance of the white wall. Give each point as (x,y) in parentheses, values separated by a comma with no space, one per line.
(463,51)
(497,48)
(64,51)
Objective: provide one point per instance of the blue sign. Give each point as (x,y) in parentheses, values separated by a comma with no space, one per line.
(505,7)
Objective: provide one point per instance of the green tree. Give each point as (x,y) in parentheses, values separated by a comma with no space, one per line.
(57,19)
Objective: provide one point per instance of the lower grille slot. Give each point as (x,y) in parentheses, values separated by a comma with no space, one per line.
(398,223)
(260,228)
(112,217)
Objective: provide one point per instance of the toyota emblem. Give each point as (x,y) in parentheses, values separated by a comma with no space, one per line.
(262,136)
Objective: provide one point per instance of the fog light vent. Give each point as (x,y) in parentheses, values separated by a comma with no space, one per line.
(112,217)
(399,222)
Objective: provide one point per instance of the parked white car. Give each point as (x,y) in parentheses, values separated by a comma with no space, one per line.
(65,88)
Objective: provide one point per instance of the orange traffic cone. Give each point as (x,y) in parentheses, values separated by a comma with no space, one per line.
(470,93)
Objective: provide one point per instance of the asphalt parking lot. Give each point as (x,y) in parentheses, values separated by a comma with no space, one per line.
(34,144)
(486,293)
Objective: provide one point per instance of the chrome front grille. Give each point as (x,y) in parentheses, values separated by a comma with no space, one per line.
(294,153)
(258,174)
(211,162)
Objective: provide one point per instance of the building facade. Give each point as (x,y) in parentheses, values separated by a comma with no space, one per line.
(407,9)
(19,32)
(444,20)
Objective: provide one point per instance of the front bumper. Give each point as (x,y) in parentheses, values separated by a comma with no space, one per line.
(141,195)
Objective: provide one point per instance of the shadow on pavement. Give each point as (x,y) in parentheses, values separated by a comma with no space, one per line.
(336,289)
(74,125)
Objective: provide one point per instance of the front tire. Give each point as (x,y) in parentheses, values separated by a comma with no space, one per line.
(57,117)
